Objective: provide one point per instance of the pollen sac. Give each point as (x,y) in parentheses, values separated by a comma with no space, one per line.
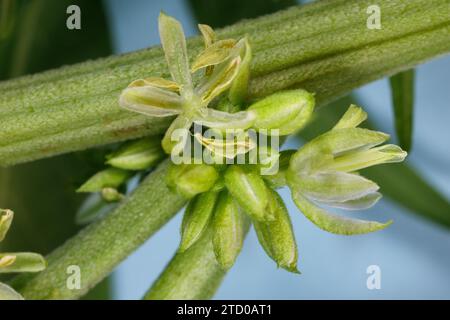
(191,179)
(137,155)
(287,111)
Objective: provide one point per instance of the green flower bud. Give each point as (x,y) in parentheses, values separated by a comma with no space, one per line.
(196,218)
(191,179)
(288,111)
(137,155)
(249,190)
(229,229)
(6,217)
(21,262)
(111,195)
(8,293)
(276,236)
(108,178)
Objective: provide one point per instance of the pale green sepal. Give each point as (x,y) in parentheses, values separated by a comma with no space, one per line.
(22,262)
(357,160)
(111,177)
(196,218)
(351,118)
(229,230)
(362,203)
(174,45)
(332,186)
(277,236)
(221,120)
(208,34)
(219,81)
(333,223)
(6,217)
(278,180)
(250,191)
(8,293)
(239,87)
(151,101)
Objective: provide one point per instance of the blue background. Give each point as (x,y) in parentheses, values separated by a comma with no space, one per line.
(413,254)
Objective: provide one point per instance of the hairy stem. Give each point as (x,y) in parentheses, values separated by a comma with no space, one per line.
(324,47)
(98,248)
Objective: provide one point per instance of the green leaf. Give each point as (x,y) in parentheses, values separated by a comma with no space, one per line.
(8,293)
(229,230)
(196,218)
(277,237)
(402,87)
(333,223)
(174,45)
(22,262)
(249,190)
(6,217)
(108,178)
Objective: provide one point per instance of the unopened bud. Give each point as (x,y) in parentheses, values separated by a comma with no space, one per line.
(287,111)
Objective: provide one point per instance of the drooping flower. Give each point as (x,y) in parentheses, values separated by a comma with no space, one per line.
(324,172)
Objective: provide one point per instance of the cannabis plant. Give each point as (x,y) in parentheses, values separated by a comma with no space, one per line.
(205,119)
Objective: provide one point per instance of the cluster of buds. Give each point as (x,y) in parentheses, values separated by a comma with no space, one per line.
(13,262)
(225,197)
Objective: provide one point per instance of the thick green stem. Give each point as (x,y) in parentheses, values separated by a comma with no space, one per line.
(193,274)
(324,47)
(98,248)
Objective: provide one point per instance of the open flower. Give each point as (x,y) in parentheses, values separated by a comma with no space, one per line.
(324,172)
(226,63)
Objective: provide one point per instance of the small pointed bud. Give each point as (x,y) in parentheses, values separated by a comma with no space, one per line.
(196,218)
(111,195)
(249,190)
(287,111)
(351,118)
(191,179)
(8,293)
(108,178)
(93,208)
(6,217)
(137,155)
(229,229)
(277,237)
(22,262)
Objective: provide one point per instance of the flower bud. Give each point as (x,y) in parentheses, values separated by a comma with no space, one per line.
(108,178)
(191,179)
(22,262)
(111,195)
(6,217)
(276,236)
(137,155)
(196,218)
(229,229)
(249,190)
(287,111)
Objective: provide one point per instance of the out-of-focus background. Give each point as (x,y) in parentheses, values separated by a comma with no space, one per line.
(413,254)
